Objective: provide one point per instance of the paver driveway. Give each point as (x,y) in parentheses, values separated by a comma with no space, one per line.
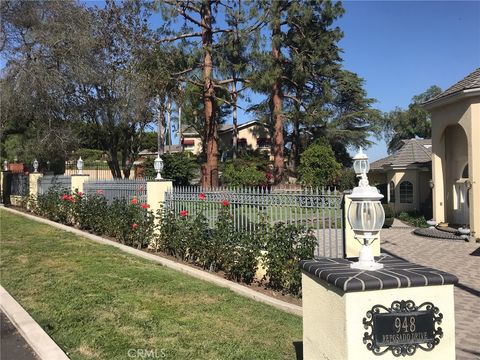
(450,256)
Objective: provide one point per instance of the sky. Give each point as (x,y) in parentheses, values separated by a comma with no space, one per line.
(401,48)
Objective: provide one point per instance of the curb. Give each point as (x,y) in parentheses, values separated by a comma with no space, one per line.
(199,274)
(39,341)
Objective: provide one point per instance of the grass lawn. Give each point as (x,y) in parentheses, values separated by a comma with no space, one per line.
(97,302)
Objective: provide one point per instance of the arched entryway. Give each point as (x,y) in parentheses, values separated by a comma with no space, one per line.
(456,175)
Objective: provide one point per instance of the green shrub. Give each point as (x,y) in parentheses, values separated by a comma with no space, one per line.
(389,216)
(93,214)
(178,167)
(413,218)
(346,179)
(88,154)
(58,205)
(318,166)
(129,222)
(239,173)
(286,245)
(188,237)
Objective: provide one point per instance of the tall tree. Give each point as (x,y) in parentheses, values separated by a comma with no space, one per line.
(313,60)
(43,43)
(310,95)
(400,124)
(114,93)
(234,56)
(195,26)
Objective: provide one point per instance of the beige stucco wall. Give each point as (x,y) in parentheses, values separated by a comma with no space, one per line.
(251,134)
(448,155)
(197,145)
(333,320)
(421,189)
(96,174)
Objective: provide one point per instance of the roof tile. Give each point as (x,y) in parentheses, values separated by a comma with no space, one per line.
(471,81)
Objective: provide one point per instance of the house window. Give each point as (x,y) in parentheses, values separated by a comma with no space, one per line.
(392,192)
(242,143)
(406,192)
(188,144)
(263,142)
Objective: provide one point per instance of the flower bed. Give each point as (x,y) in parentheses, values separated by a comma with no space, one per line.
(189,238)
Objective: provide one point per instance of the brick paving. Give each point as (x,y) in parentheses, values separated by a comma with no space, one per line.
(453,257)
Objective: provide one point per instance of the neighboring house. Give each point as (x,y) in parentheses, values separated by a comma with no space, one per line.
(455,115)
(252,135)
(405,176)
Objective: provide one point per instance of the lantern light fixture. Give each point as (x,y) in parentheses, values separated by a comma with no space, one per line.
(365,214)
(80,165)
(360,163)
(158,165)
(5,165)
(35,166)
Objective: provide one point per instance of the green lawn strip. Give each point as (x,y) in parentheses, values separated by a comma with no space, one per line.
(97,302)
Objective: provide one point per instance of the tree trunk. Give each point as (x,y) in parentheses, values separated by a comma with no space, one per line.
(296,139)
(169,125)
(234,118)
(210,177)
(160,131)
(180,135)
(276,108)
(114,165)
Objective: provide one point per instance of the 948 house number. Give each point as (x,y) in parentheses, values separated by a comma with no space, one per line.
(402,328)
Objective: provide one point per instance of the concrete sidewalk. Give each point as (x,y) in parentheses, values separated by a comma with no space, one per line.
(457,257)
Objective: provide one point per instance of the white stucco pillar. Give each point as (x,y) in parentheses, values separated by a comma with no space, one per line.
(156,190)
(77,182)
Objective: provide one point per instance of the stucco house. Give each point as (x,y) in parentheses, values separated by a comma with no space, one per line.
(455,115)
(251,135)
(405,176)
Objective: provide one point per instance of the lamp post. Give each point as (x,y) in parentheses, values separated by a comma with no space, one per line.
(365,214)
(158,165)
(80,165)
(35,166)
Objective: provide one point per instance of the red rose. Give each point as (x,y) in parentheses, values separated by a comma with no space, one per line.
(99,192)
(202,196)
(80,194)
(65,197)
(134,226)
(145,206)
(225,202)
(134,201)
(183,213)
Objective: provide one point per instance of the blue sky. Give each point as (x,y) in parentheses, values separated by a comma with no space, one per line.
(401,48)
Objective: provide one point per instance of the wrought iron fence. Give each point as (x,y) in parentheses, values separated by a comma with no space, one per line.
(47,182)
(117,189)
(319,210)
(19,184)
